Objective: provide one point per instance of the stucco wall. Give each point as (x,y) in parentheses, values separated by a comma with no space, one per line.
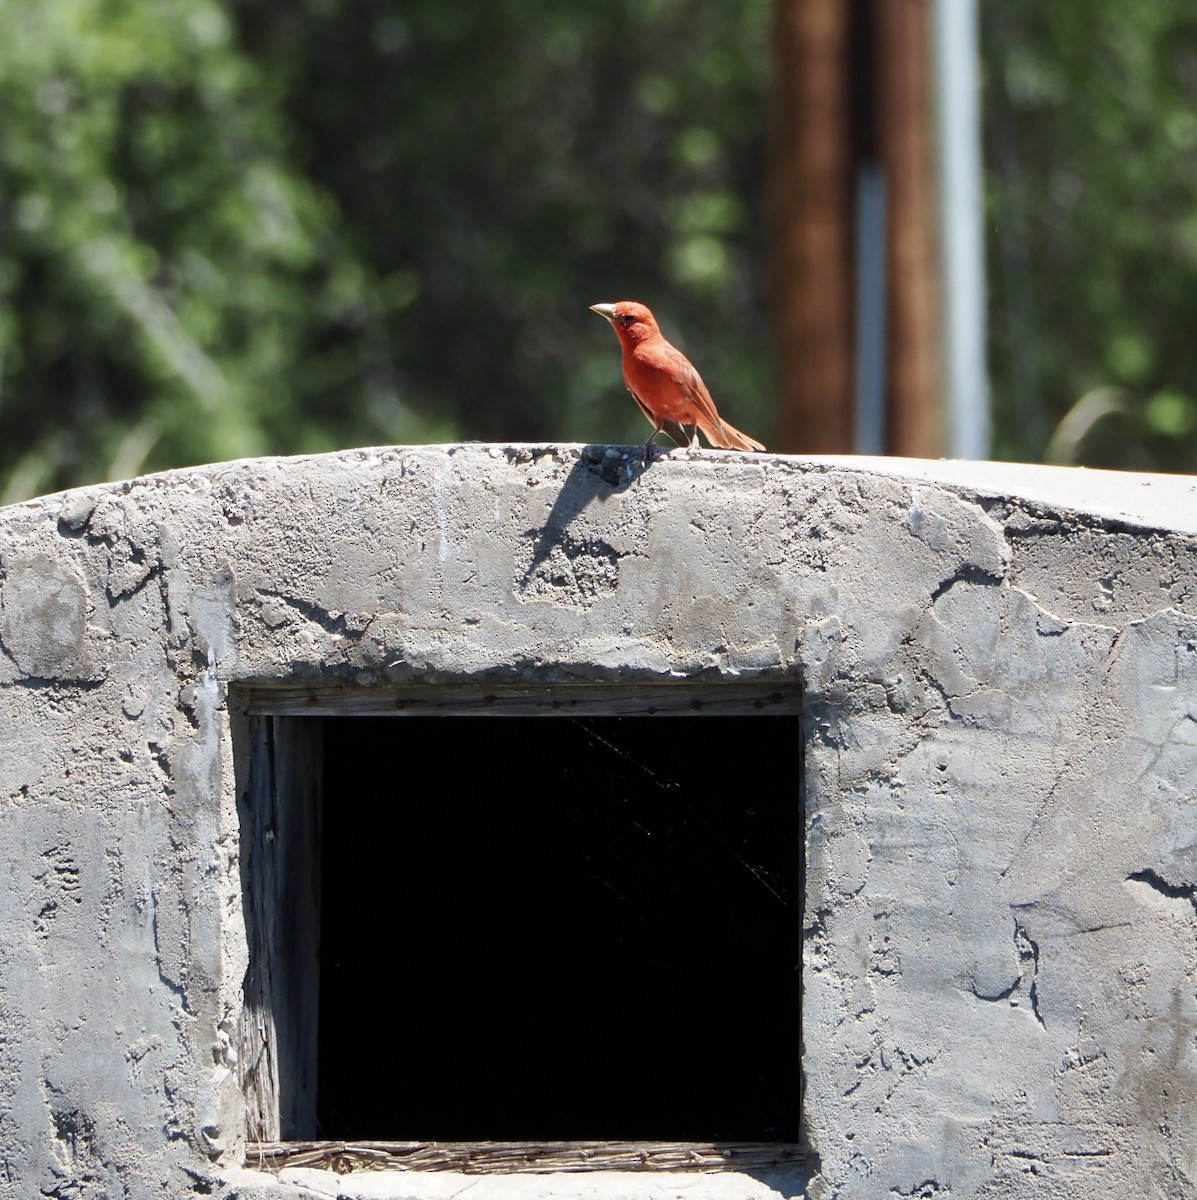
(999,669)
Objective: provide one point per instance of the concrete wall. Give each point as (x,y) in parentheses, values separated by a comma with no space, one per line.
(1000,682)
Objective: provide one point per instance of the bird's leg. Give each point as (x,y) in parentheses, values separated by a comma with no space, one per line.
(649,448)
(693,440)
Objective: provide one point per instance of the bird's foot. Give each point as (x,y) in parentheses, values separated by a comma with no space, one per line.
(651,450)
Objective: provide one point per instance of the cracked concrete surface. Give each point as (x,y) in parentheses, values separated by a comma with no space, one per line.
(999,670)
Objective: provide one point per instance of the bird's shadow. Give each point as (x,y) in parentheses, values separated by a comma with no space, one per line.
(598,473)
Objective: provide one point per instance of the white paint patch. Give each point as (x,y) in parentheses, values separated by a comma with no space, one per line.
(442,518)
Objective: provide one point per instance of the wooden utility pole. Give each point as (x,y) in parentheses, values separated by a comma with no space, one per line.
(904,123)
(851,100)
(811,234)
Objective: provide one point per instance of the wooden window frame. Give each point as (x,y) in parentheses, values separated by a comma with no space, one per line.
(281,815)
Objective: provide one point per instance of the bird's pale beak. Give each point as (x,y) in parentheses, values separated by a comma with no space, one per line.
(604,310)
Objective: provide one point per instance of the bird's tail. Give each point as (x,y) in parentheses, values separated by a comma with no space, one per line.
(728,437)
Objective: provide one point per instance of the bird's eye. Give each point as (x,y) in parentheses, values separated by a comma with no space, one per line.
(625,318)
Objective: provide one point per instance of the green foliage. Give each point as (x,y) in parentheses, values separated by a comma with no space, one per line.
(1091,132)
(266,226)
(271,226)
(511,163)
(169,283)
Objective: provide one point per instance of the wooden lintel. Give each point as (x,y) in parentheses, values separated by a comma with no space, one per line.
(700,698)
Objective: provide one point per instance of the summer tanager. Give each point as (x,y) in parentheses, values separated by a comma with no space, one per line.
(663,383)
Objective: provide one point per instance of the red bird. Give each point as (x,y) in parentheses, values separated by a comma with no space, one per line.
(664,384)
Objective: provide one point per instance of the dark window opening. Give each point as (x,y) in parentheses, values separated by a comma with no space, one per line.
(547,935)
(547,928)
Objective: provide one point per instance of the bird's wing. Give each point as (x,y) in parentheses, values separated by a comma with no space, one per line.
(693,387)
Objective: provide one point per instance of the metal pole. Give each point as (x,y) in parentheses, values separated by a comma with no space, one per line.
(962,249)
(871,290)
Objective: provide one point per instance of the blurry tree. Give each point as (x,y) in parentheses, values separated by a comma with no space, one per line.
(171,288)
(266,226)
(504,165)
(1091,129)
(263,226)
